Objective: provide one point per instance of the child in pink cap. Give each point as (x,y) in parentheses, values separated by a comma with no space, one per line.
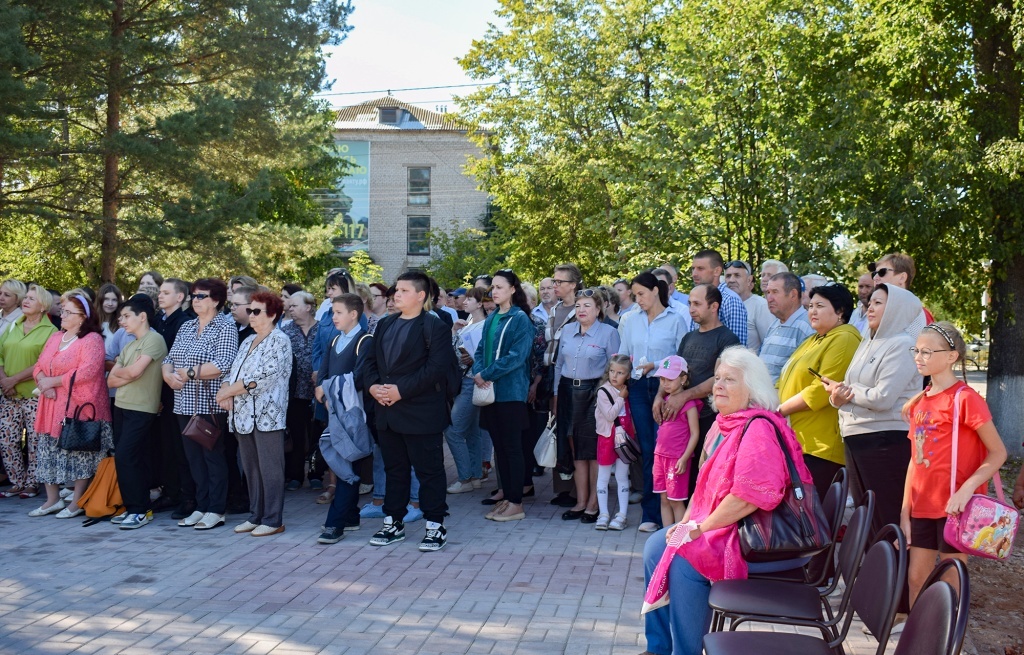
(676,442)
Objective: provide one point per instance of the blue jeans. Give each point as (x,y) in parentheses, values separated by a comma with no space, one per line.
(379,478)
(344,510)
(679,627)
(642,393)
(463,435)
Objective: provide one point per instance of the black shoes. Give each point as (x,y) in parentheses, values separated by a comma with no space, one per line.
(572,515)
(563,500)
(185,509)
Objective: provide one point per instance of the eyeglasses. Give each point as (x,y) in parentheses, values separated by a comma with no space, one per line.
(881,272)
(587,293)
(253,312)
(200,296)
(558,282)
(739,263)
(65,312)
(925,353)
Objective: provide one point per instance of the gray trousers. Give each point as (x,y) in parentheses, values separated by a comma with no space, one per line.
(262,455)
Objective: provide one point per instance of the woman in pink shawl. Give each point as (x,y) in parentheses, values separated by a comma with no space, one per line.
(744,472)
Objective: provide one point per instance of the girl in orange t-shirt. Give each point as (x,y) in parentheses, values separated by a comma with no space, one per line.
(926,499)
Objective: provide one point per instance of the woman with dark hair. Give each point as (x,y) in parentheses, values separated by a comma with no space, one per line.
(257,399)
(502,360)
(828,353)
(108,300)
(378,306)
(70,379)
(136,379)
(586,346)
(202,354)
(649,335)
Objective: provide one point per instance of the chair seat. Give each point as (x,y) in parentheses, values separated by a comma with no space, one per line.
(763,643)
(766,598)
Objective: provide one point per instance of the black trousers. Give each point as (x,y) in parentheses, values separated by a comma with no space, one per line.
(171,467)
(823,471)
(504,422)
(132,457)
(237,489)
(317,465)
(538,421)
(401,452)
(878,461)
(209,467)
(300,429)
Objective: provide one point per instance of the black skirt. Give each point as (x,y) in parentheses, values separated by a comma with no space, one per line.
(582,426)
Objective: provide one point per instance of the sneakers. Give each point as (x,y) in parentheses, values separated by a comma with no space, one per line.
(119,519)
(371,511)
(435,538)
(414,514)
(602,522)
(392,532)
(135,521)
(618,523)
(330,536)
(460,487)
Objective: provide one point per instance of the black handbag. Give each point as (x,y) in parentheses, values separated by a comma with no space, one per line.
(76,433)
(795,529)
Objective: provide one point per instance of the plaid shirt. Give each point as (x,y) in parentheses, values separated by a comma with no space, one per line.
(732,313)
(217,344)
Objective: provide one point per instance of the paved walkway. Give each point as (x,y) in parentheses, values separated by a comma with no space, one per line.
(539,586)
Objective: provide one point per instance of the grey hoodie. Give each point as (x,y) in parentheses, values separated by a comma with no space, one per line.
(882,374)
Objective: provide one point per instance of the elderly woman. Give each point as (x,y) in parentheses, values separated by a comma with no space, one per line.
(301,332)
(20,346)
(201,356)
(502,360)
(827,353)
(137,381)
(586,346)
(12,292)
(257,399)
(880,380)
(746,471)
(70,379)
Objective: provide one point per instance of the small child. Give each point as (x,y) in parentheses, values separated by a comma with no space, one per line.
(676,442)
(611,410)
(980,453)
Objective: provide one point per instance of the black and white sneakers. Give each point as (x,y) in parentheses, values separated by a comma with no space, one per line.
(435,538)
(392,532)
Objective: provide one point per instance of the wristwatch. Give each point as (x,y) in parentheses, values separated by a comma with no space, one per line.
(191,373)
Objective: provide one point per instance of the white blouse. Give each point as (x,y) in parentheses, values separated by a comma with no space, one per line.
(269,366)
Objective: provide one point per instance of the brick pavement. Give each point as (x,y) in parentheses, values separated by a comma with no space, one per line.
(539,586)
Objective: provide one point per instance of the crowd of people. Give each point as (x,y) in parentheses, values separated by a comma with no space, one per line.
(225,396)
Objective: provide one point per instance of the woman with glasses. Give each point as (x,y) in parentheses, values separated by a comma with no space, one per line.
(70,379)
(880,380)
(256,396)
(377,308)
(805,400)
(583,353)
(202,354)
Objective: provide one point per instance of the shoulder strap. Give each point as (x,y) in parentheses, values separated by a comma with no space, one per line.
(71,385)
(360,342)
(997,482)
(334,340)
(501,337)
(794,477)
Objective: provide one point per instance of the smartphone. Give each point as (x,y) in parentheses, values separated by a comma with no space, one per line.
(813,372)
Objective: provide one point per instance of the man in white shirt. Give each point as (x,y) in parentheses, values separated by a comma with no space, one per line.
(739,278)
(770,267)
(859,318)
(674,293)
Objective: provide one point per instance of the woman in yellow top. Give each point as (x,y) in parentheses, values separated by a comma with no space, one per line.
(806,401)
(20,345)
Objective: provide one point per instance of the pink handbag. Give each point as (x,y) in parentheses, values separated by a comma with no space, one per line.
(987,526)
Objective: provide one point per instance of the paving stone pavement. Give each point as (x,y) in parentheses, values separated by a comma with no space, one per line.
(538,586)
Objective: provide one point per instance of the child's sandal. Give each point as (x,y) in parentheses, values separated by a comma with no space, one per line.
(327,496)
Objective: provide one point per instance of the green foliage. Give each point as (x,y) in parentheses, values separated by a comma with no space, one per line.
(363,269)
(460,256)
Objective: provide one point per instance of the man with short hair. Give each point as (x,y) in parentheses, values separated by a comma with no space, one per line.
(177,489)
(701,349)
(898,268)
(859,318)
(739,278)
(457,300)
(237,281)
(673,292)
(707,269)
(408,380)
(546,292)
(770,267)
(240,298)
(791,324)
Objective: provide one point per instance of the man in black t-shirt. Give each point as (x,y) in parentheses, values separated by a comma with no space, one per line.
(701,350)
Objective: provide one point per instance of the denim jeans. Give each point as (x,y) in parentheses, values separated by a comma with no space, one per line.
(344,510)
(379,478)
(463,435)
(642,393)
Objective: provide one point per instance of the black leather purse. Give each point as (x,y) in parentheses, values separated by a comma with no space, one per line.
(795,529)
(78,434)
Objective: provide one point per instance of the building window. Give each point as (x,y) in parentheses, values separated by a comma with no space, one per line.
(419,186)
(419,238)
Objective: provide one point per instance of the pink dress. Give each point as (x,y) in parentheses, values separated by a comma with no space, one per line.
(751,468)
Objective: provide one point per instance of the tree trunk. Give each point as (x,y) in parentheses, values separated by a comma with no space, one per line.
(997,117)
(111,157)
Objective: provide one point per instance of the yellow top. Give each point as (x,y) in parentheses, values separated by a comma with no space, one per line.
(818,428)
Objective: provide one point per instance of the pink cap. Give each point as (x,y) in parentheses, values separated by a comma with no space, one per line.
(670,367)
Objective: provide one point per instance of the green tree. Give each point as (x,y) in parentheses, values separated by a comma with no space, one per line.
(364,269)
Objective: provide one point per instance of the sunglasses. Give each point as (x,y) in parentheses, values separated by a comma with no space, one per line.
(253,312)
(739,263)
(200,296)
(881,272)
(586,293)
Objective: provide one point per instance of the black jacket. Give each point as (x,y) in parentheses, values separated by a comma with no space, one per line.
(418,373)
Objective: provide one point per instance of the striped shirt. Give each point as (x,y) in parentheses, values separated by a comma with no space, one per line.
(782,339)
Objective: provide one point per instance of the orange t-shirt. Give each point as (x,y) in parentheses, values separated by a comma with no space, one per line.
(931,438)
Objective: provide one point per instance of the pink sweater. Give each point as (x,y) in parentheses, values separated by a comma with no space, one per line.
(84,358)
(750,467)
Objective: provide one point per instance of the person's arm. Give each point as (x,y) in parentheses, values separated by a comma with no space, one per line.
(519,339)
(691,445)
(895,372)
(728,512)
(608,409)
(122,375)
(670,406)
(989,467)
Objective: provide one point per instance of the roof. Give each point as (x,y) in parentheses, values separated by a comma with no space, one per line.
(365,116)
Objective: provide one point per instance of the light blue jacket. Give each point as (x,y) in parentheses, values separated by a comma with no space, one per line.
(510,370)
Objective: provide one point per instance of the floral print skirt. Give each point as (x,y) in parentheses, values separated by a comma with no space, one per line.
(55,465)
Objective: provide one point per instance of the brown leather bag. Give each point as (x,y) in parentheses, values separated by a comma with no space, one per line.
(201,431)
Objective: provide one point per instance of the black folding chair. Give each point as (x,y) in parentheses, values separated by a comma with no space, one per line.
(772,601)
(876,592)
(937,624)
